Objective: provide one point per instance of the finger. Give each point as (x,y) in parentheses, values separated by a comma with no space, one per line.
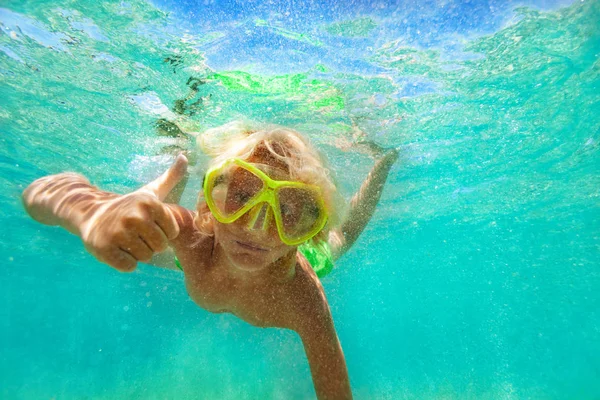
(161,186)
(155,238)
(138,248)
(120,260)
(164,218)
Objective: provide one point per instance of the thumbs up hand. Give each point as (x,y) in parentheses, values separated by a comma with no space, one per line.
(123,230)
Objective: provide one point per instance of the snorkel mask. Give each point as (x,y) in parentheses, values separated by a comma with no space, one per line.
(236,187)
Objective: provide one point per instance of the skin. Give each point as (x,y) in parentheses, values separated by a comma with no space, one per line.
(249,273)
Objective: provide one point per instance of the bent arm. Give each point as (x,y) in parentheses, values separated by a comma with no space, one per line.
(362,205)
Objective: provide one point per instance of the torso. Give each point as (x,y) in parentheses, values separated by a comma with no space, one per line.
(210,285)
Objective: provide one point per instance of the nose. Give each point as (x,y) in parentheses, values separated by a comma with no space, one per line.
(259,217)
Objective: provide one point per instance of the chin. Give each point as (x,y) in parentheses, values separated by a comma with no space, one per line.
(246,264)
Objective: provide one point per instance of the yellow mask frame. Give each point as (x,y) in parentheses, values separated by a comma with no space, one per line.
(267,195)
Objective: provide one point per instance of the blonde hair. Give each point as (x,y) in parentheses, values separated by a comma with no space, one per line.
(302,161)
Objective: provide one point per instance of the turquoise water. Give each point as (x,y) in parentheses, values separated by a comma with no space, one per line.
(477,277)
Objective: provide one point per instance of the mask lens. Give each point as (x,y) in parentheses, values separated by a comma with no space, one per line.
(301,211)
(232,187)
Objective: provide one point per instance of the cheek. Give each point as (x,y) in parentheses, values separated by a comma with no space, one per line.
(218,228)
(225,233)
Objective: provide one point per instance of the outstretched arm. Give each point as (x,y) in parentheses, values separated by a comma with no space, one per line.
(362,205)
(118,230)
(323,351)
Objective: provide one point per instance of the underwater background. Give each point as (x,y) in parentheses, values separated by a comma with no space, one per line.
(477,278)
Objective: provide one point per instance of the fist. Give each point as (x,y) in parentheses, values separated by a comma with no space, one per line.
(133,227)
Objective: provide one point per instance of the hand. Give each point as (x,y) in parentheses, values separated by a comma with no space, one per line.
(131,228)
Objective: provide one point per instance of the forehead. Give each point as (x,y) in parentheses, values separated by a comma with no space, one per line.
(274,167)
(272,171)
(264,154)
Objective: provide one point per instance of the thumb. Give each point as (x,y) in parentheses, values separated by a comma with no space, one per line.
(161,186)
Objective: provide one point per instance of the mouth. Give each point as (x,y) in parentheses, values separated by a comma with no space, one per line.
(251,246)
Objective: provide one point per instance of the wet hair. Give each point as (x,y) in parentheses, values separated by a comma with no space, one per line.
(282,147)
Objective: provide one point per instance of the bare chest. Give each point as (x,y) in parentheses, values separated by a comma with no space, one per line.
(263,306)
(210,286)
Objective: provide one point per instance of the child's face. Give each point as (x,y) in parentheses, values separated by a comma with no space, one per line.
(254,246)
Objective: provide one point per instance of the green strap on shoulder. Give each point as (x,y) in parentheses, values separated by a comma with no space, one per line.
(318,255)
